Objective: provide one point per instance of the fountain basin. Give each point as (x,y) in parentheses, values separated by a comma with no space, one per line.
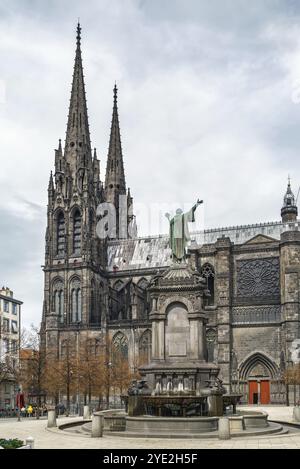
(171,425)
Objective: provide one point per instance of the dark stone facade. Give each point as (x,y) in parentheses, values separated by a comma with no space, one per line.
(101,287)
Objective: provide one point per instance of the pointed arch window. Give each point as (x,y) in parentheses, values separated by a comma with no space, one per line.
(77,232)
(93,314)
(76,306)
(61,232)
(58,299)
(145,346)
(120,346)
(208,273)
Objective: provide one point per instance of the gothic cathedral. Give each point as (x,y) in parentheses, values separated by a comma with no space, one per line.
(100,286)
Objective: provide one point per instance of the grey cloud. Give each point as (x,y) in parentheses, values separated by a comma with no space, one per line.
(205,102)
(21,259)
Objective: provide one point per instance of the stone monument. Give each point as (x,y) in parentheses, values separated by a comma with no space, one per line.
(179,369)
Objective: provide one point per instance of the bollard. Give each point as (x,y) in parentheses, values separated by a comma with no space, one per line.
(224,428)
(296,414)
(30,442)
(51,418)
(97,425)
(86,412)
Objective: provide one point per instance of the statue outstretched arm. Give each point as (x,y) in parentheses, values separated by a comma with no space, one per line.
(199,202)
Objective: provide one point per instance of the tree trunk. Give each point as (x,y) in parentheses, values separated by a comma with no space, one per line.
(90,392)
(68,396)
(38,405)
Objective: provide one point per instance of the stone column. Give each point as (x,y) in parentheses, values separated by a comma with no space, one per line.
(222,292)
(289,283)
(161,340)
(201,339)
(97,425)
(224,428)
(154,340)
(194,339)
(215,404)
(51,418)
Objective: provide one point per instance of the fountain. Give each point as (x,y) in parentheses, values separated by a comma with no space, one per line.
(179,382)
(180,394)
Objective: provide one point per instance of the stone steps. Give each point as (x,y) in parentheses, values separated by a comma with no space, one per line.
(271,430)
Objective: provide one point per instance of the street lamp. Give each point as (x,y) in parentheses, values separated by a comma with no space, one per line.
(109,366)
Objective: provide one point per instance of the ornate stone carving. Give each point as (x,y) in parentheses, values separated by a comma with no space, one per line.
(258,278)
(192,299)
(162,300)
(255,315)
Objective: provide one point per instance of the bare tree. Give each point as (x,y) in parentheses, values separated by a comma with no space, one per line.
(62,372)
(292,378)
(32,366)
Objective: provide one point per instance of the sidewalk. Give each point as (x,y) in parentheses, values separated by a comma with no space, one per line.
(280,413)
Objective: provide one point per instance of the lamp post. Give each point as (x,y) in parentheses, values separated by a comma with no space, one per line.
(109,365)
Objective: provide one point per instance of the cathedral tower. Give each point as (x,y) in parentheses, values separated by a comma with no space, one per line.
(75,259)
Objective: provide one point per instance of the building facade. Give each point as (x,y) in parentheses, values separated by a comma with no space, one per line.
(10,323)
(100,287)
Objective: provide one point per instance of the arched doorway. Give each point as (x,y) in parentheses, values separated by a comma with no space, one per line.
(259,386)
(257,372)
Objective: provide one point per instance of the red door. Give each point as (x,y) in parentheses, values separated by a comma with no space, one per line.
(253,392)
(265,392)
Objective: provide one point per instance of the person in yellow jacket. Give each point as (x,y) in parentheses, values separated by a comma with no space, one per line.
(29,410)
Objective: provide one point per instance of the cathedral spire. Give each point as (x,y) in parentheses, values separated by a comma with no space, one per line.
(51,185)
(115,184)
(289,211)
(77,144)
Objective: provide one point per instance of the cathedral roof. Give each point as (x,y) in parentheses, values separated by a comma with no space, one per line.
(153,251)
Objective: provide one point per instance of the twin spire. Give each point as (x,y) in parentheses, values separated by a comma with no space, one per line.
(78,143)
(115,176)
(78,134)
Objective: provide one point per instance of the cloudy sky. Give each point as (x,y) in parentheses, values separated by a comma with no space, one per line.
(209,102)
